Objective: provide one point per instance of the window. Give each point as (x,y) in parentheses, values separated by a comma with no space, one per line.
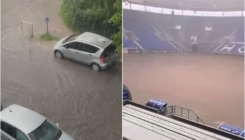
(8,129)
(70,46)
(20,135)
(110,50)
(88,48)
(76,46)
(73,45)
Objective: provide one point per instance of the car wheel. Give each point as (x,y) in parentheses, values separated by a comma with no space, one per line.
(58,54)
(95,67)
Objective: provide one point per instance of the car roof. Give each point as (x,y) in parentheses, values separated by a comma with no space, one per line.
(94,39)
(22,118)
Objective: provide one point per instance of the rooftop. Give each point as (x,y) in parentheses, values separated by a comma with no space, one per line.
(141,124)
(22,118)
(215,5)
(94,39)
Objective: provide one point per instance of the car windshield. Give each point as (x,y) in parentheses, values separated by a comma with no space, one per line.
(70,38)
(46,131)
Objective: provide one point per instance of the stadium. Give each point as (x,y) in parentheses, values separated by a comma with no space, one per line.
(189,53)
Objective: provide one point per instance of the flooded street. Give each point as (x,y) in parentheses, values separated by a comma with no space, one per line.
(86,104)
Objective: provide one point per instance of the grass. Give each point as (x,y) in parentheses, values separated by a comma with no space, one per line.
(48,37)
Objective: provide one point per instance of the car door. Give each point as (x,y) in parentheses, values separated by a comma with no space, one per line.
(110,53)
(71,50)
(87,52)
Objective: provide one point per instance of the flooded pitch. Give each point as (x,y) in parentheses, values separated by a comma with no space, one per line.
(86,104)
(210,85)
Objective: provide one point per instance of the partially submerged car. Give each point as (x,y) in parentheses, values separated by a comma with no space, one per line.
(20,123)
(88,48)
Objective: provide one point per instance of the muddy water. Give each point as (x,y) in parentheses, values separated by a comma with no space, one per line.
(86,104)
(207,84)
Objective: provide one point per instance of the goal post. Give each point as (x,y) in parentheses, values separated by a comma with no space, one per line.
(30,25)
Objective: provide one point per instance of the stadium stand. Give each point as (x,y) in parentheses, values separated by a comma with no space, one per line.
(227,5)
(142,122)
(216,25)
(162,32)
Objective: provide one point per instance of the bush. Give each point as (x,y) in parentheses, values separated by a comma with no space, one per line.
(116,19)
(90,15)
(48,37)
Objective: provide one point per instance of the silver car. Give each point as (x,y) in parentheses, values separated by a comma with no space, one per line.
(89,48)
(19,123)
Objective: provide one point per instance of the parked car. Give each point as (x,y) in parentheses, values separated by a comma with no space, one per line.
(126,93)
(88,48)
(20,123)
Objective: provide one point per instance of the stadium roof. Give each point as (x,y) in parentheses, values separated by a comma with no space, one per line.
(215,5)
(141,124)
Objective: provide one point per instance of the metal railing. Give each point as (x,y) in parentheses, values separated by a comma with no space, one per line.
(181,112)
(169,110)
(186,113)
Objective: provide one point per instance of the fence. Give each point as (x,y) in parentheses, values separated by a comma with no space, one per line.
(182,112)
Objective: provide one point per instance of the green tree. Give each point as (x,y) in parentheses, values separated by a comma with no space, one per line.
(117,21)
(91,15)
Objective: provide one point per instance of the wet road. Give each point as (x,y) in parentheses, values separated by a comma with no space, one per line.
(86,104)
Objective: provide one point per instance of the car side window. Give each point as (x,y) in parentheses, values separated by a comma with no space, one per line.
(8,129)
(69,46)
(73,45)
(20,136)
(88,48)
(77,46)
